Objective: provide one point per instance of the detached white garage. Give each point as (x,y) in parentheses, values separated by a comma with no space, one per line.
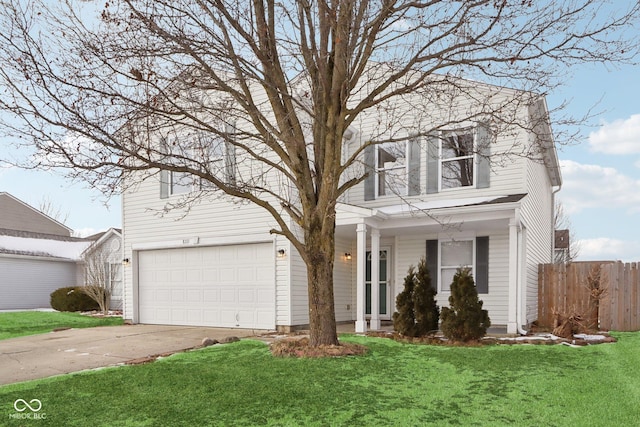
(225,286)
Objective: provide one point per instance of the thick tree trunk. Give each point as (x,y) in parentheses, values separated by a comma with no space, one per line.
(320,243)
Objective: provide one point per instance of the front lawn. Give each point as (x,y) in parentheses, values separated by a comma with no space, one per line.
(394,384)
(21,323)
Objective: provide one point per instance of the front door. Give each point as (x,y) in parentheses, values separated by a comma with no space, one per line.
(384,284)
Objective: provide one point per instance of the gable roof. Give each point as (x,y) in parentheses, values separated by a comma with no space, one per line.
(99,239)
(18,215)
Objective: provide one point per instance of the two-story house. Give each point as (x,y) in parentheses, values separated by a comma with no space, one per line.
(462,195)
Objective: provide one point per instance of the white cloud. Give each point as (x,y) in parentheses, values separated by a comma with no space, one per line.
(604,248)
(594,186)
(621,136)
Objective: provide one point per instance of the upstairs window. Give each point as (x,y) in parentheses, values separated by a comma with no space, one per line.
(391,168)
(180,183)
(205,151)
(457,160)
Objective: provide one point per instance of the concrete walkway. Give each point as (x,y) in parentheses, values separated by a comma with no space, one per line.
(55,353)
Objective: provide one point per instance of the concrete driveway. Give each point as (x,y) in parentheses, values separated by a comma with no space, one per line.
(55,353)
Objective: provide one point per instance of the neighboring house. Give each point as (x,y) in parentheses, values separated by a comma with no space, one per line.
(38,255)
(218,265)
(105,253)
(17,215)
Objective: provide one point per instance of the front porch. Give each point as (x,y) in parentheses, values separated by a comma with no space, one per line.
(375,247)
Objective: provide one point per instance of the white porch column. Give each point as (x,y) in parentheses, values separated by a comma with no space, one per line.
(512,322)
(361,258)
(374,323)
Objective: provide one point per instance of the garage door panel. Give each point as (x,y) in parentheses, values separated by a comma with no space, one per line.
(247,275)
(211,296)
(227,296)
(194,276)
(210,274)
(246,296)
(194,317)
(194,295)
(227,286)
(177,296)
(162,296)
(227,275)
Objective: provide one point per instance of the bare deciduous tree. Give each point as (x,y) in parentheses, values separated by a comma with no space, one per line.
(98,275)
(562,224)
(281,82)
(47,207)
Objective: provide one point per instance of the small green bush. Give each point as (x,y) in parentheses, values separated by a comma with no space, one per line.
(72,299)
(465,320)
(417,313)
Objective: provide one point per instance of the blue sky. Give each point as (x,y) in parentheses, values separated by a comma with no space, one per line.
(601,174)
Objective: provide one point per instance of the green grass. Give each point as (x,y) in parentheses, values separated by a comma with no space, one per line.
(395,384)
(21,323)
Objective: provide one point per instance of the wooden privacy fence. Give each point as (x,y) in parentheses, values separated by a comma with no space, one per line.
(605,294)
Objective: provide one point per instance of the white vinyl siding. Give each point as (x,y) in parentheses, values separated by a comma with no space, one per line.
(26,282)
(537,217)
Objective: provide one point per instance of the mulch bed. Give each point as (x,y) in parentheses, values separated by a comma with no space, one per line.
(299,347)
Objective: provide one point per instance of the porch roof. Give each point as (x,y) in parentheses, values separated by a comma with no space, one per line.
(350,214)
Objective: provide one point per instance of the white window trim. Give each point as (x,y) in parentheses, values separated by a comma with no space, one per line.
(192,186)
(472,239)
(196,183)
(444,134)
(406,171)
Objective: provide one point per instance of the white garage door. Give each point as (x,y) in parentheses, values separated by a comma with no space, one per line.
(225,286)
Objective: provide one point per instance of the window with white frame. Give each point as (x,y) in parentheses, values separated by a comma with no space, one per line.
(181,183)
(454,254)
(391,168)
(457,159)
(208,148)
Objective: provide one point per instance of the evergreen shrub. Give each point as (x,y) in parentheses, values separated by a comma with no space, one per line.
(464,320)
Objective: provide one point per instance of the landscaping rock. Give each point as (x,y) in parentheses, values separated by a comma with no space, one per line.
(206,342)
(228,340)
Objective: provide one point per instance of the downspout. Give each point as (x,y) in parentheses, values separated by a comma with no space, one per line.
(520,271)
(520,259)
(553,221)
